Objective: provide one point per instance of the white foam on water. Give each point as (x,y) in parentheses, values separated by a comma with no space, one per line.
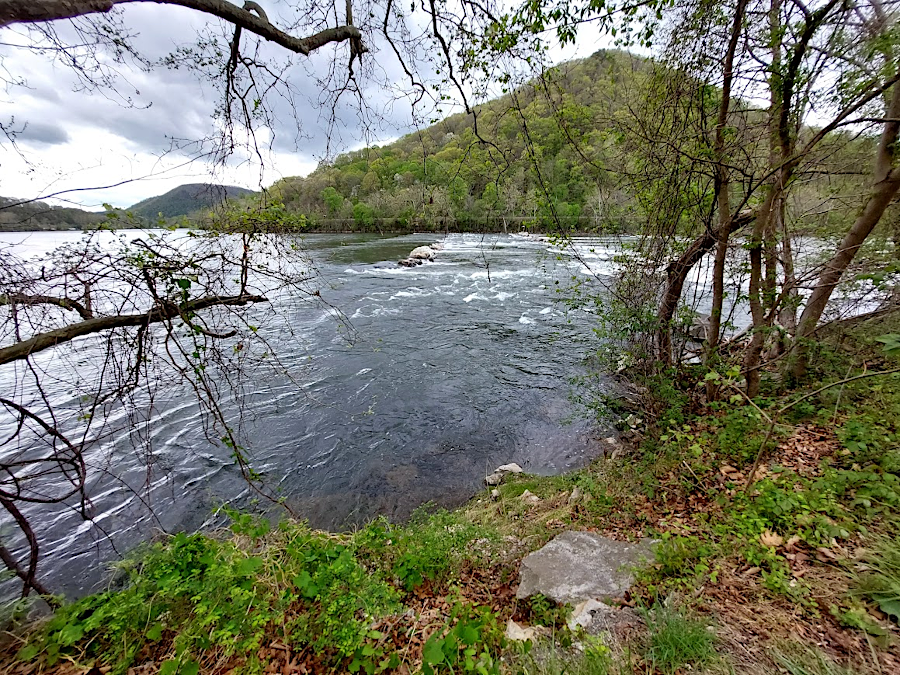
(525,320)
(363,371)
(504,295)
(546,310)
(411,292)
(473,296)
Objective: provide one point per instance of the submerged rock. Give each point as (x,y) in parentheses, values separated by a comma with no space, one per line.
(579,566)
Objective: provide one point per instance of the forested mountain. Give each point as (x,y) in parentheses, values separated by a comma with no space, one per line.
(566,151)
(552,137)
(43,216)
(186,199)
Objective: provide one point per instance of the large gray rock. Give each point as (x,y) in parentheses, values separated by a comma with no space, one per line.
(578,566)
(422,253)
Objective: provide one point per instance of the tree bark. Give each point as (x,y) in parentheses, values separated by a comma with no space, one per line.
(36,11)
(885,187)
(41,341)
(723,203)
(677,273)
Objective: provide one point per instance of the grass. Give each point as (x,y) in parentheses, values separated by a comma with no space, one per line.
(796,659)
(879,580)
(548,658)
(676,640)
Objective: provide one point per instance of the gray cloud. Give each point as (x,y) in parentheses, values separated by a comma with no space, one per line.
(43,133)
(145,110)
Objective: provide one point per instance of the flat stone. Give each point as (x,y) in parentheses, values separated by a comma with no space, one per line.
(518,633)
(501,472)
(597,618)
(509,468)
(579,566)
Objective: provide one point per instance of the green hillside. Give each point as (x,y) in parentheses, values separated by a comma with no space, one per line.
(551,137)
(18,217)
(186,199)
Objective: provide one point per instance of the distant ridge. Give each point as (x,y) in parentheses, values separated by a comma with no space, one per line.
(22,215)
(187,199)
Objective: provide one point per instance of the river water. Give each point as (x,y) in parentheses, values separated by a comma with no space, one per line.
(454,367)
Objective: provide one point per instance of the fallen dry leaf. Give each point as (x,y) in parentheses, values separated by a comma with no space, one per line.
(769,538)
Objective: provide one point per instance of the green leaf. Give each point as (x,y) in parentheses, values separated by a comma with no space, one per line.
(190,668)
(434,650)
(891,343)
(468,635)
(71,634)
(169,667)
(28,652)
(891,606)
(154,633)
(248,566)
(184,284)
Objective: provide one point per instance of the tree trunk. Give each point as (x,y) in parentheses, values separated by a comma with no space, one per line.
(886,183)
(723,204)
(677,273)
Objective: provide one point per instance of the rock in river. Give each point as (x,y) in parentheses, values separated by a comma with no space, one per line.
(422,253)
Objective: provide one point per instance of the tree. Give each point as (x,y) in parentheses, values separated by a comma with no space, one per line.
(161,309)
(834,58)
(125,318)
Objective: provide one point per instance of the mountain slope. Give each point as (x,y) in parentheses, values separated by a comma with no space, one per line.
(187,199)
(43,216)
(551,136)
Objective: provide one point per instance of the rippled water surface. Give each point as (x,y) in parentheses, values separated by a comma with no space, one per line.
(455,367)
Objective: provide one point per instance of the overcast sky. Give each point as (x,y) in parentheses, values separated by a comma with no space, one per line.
(73,139)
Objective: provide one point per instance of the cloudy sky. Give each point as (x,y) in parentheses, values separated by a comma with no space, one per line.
(131,136)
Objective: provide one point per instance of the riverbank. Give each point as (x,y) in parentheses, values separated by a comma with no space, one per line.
(795,571)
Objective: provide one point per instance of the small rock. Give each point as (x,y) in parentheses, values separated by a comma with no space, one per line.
(509,468)
(583,613)
(576,495)
(495,494)
(500,472)
(529,497)
(518,633)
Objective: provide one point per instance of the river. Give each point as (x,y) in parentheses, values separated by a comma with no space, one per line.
(454,367)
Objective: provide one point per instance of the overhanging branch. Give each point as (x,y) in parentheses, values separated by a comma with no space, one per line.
(37,11)
(162,312)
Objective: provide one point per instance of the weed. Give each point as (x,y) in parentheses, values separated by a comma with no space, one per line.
(466,644)
(432,547)
(676,640)
(543,611)
(802,660)
(547,658)
(879,581)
